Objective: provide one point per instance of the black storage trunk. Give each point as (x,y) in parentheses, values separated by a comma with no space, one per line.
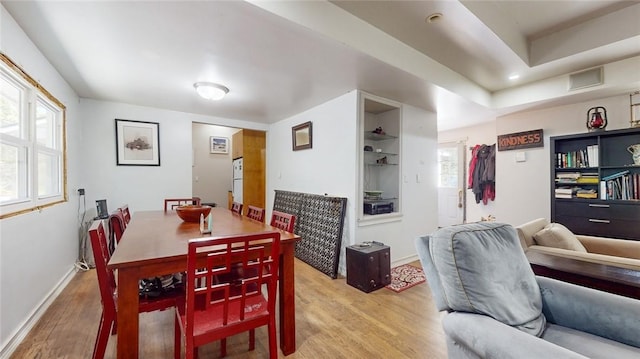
(368,268)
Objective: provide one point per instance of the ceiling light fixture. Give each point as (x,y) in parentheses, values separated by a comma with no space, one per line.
(210,90)
(433,17)
(514,77)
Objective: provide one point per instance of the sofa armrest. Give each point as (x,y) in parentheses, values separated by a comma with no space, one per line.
(489,338)
(603,314)
(611,246)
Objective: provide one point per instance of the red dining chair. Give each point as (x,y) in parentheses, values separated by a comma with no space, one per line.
(222,308)
(108,292)
(126,214)
(172,203)
(256,213)
(236,208)
(116,229)
(284,221)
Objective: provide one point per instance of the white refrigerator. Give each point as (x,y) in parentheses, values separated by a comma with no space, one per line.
(237,180)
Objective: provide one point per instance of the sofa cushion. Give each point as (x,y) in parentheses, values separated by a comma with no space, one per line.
(558,236)
(589,345)
(483,270)
(527,230)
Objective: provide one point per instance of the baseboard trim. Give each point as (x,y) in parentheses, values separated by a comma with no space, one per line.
(405,260)
(19,335)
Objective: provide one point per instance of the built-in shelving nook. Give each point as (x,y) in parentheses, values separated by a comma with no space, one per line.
(379,155)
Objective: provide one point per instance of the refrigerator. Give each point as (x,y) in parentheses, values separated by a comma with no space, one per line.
(237,180)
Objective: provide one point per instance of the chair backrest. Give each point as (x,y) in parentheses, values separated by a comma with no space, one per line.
(284,221)
(256,213)
(117,226)
(170,204)
(212,261)
(106,278)
(126,214)
(236,207)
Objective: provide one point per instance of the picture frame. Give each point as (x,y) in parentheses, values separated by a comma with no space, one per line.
(218,144)
(302,136)
(137,143)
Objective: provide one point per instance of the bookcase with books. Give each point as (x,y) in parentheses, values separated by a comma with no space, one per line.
(595,184)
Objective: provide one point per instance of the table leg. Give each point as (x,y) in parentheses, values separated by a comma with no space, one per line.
(287,300)
(127,313)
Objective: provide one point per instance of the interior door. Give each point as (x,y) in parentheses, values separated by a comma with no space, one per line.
(451,175)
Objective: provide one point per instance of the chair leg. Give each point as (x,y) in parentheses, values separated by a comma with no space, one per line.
(177,343)
(273,345)
(223,347)
(114,327)
(102,338)
(252,339)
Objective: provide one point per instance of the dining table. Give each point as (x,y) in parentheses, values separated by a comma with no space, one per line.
(155,244)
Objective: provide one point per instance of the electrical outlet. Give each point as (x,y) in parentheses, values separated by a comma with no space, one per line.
(81,191)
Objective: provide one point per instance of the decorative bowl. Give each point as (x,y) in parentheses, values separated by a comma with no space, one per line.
(191,213)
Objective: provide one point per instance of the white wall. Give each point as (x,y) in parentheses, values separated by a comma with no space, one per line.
(211,173)
(522,188)
(474,135)
(328,167)
(331,167)
(419,196)
(141,187)
(38,249)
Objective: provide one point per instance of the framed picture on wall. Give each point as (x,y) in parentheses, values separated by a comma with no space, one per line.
(218,144)
(302,136)
(137,143)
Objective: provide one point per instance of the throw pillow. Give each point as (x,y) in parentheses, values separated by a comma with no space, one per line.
(482,269)
(558,236)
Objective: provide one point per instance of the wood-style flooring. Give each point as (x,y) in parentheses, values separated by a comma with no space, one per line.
(333,320)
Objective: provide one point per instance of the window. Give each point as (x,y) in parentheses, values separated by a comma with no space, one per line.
(32,143)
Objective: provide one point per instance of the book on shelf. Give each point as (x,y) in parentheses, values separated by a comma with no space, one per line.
(615,175)
(586,193)
(565,192)
(568,175)
(587,157)
(588,179)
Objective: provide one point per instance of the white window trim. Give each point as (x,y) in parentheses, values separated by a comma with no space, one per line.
(35,92)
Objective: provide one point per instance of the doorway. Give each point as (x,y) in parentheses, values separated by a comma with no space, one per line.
(451,180)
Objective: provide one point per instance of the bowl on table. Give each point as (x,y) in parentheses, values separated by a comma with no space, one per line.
(191,213)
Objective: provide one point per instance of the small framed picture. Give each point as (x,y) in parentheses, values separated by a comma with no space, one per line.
(218,144)
(137,143)
(302,136)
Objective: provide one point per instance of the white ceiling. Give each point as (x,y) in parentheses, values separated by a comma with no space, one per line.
(281,58)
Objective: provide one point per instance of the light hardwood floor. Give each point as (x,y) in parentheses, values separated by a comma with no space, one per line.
(333,320)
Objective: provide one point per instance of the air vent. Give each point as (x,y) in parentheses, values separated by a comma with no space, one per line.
(588,78)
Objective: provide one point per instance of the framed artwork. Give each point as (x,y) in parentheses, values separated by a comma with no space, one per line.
(302,136)
(137,143)
(218,144)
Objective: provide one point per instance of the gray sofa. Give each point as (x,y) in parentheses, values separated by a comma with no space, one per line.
(497,308)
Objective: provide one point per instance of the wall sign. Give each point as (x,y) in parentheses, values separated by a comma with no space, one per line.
(518,140)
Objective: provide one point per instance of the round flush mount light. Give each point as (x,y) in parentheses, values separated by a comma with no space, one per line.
(210,90)
(433,18)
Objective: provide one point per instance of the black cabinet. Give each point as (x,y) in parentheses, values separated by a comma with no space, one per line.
(368,267)
(595,183)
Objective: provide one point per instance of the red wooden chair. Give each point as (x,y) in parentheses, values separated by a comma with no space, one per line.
(172,203)
(222,308)
(117,226)
(255,213)
(108,292)
(236,208)
(126,214)
(284,221)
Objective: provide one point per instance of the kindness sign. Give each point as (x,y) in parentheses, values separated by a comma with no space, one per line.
(514,141)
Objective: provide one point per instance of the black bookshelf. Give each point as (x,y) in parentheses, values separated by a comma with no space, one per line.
(595,185)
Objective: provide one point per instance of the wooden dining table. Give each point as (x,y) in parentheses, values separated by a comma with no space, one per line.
(155,244)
